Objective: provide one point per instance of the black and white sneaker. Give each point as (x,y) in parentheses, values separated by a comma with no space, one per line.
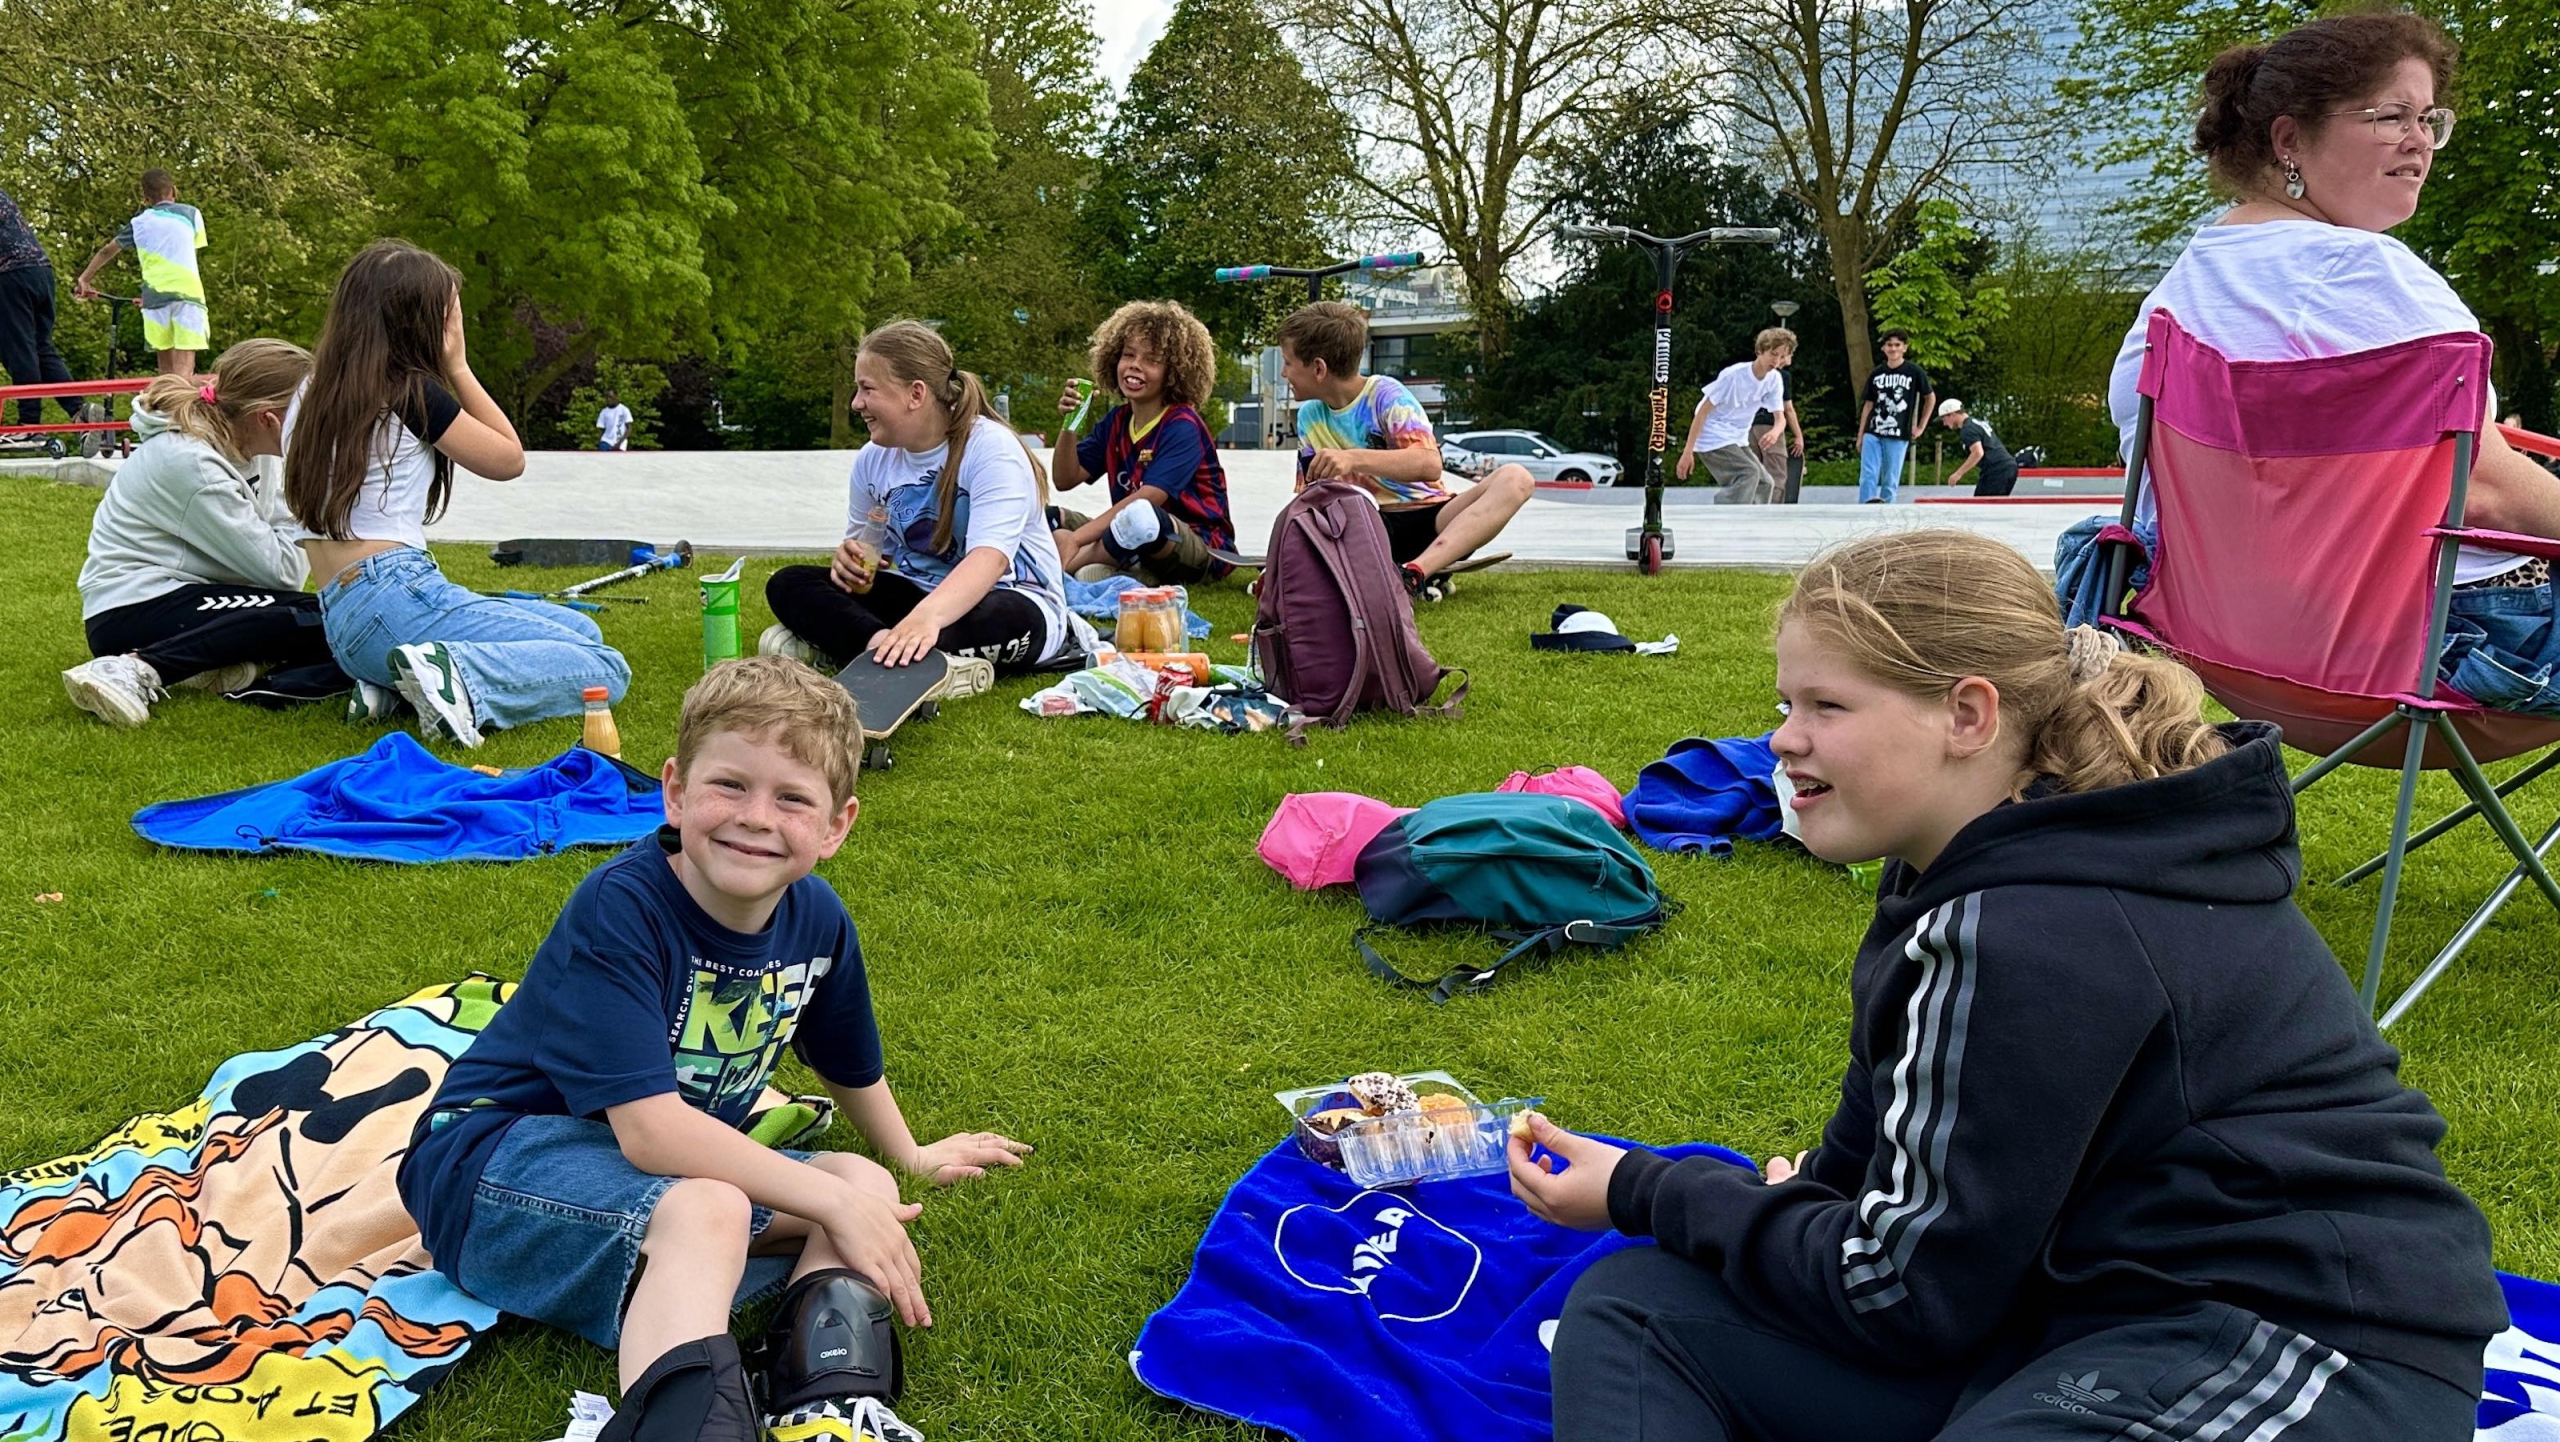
(429,680)
(850,1419)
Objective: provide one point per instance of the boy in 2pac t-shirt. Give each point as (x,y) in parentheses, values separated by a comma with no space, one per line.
(582,1163)
(1892,409)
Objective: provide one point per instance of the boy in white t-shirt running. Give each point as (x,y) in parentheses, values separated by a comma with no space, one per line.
(613,424)
(1720,431)
(164,238)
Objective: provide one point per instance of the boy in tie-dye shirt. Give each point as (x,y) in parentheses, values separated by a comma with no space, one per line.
(1370,431)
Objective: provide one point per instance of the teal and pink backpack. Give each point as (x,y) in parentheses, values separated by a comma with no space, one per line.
(1536,872)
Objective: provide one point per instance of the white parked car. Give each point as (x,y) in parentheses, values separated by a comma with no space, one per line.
(1483,450)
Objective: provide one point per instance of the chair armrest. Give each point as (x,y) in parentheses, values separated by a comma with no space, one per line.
(2510,542)
(2530,443)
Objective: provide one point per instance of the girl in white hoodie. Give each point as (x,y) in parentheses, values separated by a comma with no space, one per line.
(193,576)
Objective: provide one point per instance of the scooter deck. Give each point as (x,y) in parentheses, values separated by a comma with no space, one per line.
(566,552)
(887,697)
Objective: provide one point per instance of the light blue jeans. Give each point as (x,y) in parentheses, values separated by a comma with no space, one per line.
(1879,467)
(521,660)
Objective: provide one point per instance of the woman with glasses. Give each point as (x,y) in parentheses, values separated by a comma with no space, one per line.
(2325,136)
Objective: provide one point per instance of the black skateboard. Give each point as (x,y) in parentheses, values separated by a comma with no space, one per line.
(567,553)
(888,696)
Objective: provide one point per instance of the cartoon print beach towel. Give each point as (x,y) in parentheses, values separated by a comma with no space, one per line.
(1424,1313)
(241,1268)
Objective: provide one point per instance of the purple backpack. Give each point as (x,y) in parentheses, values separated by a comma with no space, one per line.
(1333,628)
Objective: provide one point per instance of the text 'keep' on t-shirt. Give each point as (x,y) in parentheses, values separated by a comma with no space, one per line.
(637,992)
(997,507)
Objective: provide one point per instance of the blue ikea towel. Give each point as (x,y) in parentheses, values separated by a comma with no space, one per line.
(1705,795)
(397,802)
(2521,1397)
(1340,1315)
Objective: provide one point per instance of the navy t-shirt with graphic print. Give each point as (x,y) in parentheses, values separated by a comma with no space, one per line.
(638,992)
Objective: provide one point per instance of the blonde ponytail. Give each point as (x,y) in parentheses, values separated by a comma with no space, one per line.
(252,376)
(1922,610)
(912,352)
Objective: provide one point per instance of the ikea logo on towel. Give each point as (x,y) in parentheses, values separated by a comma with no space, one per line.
(1381,1247)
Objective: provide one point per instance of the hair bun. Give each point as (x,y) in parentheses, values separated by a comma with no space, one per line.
(2091,652)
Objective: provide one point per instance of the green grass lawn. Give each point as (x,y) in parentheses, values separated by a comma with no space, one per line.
(1072,941)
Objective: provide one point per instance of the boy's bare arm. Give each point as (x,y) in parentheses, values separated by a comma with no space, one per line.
(874,1112)
(107,252)
(1402,463)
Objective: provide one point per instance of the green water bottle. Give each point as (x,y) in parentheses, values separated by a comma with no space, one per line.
(1084,412)
(720,615)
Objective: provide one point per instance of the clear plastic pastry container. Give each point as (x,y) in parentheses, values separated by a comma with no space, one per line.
(1461,1136)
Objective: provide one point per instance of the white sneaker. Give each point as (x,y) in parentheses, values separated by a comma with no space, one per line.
(1096,571)
(779,640)
(369,703)
(222,680)
(430,681)
(968,676)
(118,690)
(851,1419)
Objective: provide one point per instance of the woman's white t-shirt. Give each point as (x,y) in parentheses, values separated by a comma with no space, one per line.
(2297,290)
(400,469)
(998,504)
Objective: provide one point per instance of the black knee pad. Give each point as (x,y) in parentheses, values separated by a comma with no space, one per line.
(697,1392)
(834,1335)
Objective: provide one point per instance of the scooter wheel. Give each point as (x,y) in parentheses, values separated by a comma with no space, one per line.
(1650,562)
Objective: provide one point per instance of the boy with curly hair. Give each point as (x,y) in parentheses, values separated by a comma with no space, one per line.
(1168,514)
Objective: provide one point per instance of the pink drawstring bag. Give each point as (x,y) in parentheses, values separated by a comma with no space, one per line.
(1579,782)
(1315,836)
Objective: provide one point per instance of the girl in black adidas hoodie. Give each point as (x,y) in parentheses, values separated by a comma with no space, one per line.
(2118,1153)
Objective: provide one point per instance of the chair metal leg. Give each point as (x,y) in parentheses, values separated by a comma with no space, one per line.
(2494,810)
(2371,991)
(2470,931)
(2468,810)
(2338,758)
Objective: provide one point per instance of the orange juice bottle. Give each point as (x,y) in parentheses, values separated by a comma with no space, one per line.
(603,737)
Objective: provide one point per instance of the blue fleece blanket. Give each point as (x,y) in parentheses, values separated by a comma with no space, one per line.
(396,802)
(1705,795)
(1340,1315)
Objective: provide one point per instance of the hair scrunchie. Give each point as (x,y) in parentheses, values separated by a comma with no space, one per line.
(206,394)
(2091,652)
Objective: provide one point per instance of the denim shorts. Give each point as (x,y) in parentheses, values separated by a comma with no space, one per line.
(556,1223)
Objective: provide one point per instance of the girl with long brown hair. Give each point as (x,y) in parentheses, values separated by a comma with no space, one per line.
(193,578)
(2117,1152)
(392,407)
(959,513)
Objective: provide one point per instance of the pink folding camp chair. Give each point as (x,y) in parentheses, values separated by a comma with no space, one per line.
(2309,512)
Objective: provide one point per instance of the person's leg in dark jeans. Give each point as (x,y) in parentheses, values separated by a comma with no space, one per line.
(26,336)
(201,628)
(1005,627)
(1653,1348)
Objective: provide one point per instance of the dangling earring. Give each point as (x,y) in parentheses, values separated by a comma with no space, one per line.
(2292,178)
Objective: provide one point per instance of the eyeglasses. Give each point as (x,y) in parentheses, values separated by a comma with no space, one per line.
(2391,123)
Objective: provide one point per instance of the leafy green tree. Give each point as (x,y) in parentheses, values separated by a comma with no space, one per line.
(1010,282)
(639,174)
(230,96)
(1580,367)
(1222,153)
(1934,289)
(2039,379)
